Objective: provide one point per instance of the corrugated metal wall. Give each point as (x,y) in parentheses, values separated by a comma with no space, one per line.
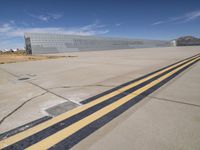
(45,43)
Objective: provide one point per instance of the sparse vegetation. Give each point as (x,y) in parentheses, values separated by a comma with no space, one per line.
(19,52)
(20,56)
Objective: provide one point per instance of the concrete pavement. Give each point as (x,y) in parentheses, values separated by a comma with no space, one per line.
(74,79)
(167,119)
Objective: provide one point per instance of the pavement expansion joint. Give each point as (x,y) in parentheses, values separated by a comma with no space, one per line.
(20,106)
(9,73)
(82,86)
(165,99)
(174,101)
(17,76)
(54,93)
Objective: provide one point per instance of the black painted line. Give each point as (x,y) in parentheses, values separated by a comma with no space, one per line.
(92,127)
(65,123)
(130,82)
(23,127)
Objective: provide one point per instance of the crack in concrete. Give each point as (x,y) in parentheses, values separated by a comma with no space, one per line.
(82,86)
(21,105)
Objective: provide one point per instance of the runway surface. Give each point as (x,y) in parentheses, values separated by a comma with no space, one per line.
(66,130)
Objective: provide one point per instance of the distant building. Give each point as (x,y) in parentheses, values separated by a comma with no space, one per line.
(44,43)
(173,43)
(187,41)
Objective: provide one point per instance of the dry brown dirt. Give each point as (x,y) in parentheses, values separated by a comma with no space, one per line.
(13,57)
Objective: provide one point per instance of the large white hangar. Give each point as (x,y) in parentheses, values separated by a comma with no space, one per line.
(45,43)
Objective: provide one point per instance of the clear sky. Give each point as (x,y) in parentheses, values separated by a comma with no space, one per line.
(149,19)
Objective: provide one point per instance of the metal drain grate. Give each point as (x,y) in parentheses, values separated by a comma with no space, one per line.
(61,108)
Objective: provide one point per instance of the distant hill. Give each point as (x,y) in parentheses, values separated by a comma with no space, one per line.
(187,41)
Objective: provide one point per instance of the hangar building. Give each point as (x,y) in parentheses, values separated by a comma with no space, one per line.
(46,43)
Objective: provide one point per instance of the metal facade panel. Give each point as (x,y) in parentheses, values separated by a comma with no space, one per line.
(44,43)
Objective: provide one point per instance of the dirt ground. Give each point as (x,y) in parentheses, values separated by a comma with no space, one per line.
(13,57)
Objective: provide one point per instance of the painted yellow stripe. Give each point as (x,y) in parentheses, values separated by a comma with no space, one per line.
(22,135)
(59,136)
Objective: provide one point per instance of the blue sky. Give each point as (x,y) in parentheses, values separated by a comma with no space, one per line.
(120,18)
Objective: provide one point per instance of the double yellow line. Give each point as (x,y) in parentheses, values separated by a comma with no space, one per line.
(66,132)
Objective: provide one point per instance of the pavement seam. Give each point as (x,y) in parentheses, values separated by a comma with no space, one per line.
(9,72)
(17,76)
(82,86)
(169,100)
(54,93)
(174,101)
(21,105)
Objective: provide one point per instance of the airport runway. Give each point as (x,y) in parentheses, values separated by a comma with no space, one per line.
(67,129)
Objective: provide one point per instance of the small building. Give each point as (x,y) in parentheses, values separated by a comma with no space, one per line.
(173,43)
